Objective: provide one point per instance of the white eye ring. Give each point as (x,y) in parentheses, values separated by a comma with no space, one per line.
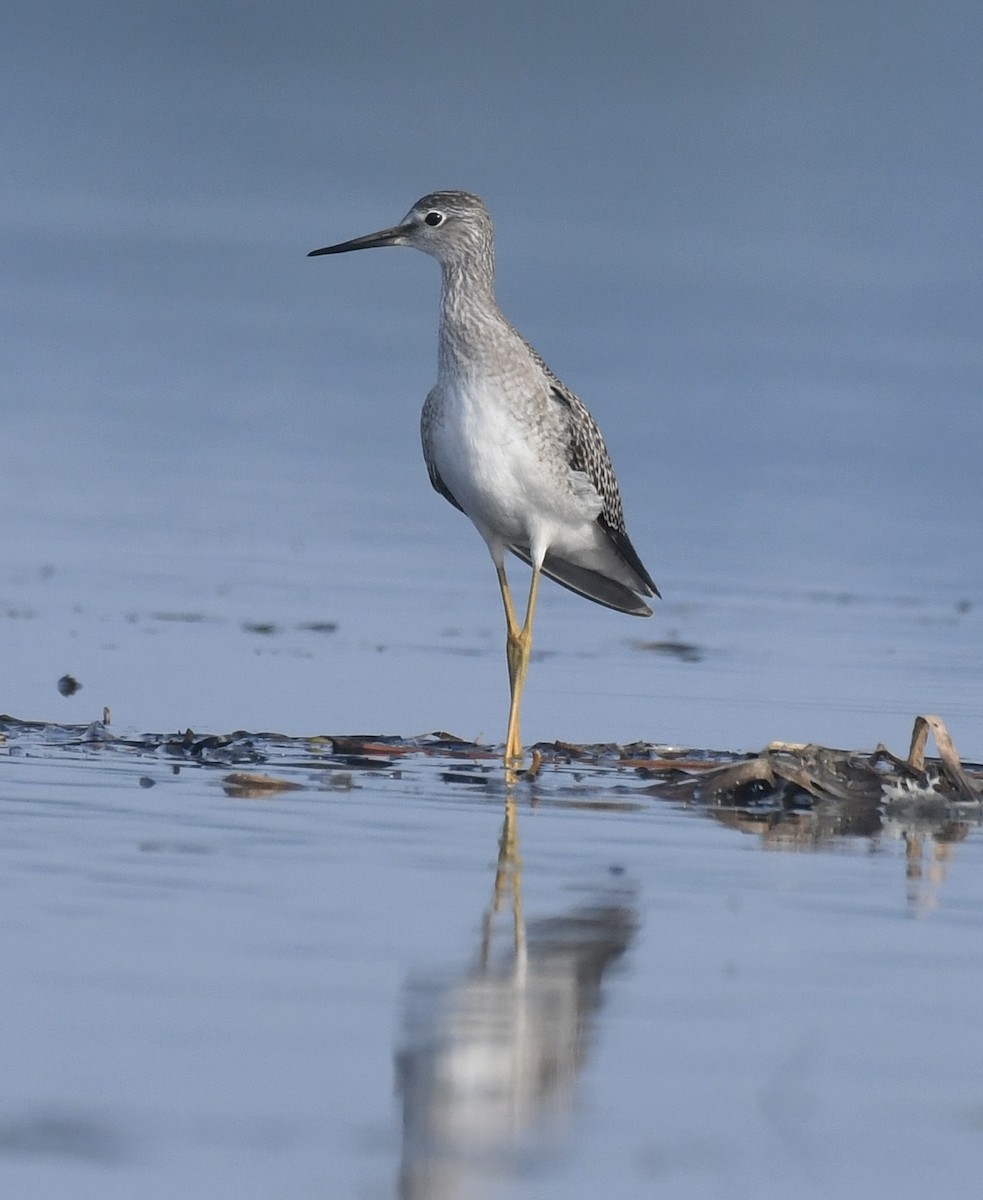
(434,218)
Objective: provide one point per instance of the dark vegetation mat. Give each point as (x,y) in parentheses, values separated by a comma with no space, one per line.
(798,792)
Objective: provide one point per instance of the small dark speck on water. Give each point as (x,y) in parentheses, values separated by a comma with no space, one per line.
(57,1135)
(318,626)
(265,627)
(173,847)
(147,782)
(841,598)
(68,685)
(684,651)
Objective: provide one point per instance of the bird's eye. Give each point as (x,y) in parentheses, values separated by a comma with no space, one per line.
(434,218)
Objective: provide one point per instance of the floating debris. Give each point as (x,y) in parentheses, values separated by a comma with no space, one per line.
(236,747)
(97,732)
(246,786)
(472,777)
(571,751)
(789,772)
(795,795)
(369,746)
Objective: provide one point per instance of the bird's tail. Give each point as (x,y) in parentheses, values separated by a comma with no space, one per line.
(592,585)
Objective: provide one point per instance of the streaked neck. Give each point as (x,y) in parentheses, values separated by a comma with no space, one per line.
(471,324)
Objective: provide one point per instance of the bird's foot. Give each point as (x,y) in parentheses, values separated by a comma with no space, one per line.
(513,756)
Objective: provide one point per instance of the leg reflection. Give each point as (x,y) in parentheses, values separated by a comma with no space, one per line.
(491,1052)
(508,873)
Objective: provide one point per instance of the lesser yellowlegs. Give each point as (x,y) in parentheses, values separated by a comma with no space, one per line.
(507,443)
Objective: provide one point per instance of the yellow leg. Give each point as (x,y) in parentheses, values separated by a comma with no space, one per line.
(518,648)
(512,657)
(511,625)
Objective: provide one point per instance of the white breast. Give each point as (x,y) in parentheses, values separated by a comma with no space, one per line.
(492,462)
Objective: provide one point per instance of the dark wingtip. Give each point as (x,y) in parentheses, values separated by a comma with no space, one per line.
(592,585)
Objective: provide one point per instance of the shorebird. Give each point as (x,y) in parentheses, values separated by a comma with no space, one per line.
(509,444)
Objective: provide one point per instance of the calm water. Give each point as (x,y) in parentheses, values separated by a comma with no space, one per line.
(240,603)
(751,244)
(319,992)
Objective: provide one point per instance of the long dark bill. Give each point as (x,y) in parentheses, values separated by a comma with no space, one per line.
(385,237)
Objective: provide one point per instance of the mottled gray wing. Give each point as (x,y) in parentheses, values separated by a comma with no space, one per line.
(588,453)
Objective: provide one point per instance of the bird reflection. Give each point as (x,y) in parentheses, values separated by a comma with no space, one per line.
(927,858)
(491,1055)
(929,836)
